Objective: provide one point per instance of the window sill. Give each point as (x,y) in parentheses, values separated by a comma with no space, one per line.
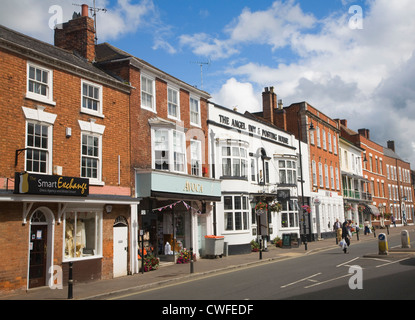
(92,113)
(149,109)
(82,258)
(39,98)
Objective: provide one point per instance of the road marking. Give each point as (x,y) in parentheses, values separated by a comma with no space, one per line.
(308,278)
(317,284)
(344,263)
(389,262)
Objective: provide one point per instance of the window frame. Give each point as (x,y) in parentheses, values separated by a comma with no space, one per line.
(99,100)
(177,105)
(48,150)
(170,144)
(98,234)
(233,160)
(196,171)
(199,121)
(48,98)
(234,211)
(98,179)
(151,79)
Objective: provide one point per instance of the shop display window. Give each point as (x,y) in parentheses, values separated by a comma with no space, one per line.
(83,235)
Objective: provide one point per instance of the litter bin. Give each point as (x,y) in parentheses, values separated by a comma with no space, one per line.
(214,246)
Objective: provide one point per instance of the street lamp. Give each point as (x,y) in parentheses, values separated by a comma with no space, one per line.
(311,129)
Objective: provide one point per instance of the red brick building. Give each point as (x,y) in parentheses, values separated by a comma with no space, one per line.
(323,167)
(169,158)
(65,169)
(389,178)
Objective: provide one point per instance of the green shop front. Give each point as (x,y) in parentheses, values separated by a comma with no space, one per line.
(176,212)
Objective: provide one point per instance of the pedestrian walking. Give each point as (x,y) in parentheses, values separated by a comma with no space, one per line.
(393,220)
(346,235)
(338,229)
(367,229)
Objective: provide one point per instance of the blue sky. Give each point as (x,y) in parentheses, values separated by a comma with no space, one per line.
(306,49)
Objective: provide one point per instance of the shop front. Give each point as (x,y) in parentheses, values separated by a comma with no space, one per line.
(54,220)
(175,212)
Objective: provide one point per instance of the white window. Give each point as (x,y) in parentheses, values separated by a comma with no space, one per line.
(320,174)
(169,150)
(287,171)
(318,137)
(332,177)
(194,112)
(326,175)
(334,144)
(234,161)
(330,146)
(161,149)
(173,103)
(289,214)
(39,83)
(312,137)
(148,90)
(337,179)
(91,156)
(196,157)
(91,98)
(324,140)
(314,173)
(83,235)
(236,213)
(179,149)
(38,147)
(91,151)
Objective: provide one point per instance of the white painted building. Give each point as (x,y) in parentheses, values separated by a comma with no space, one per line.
(256,162)
(354,184)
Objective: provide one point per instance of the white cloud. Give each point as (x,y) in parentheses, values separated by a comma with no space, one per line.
(364,75)
(234,94)
(32,17)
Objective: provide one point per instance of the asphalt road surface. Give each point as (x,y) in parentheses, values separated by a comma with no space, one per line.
(324,275)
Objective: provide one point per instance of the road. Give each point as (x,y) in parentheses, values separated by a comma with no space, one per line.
(328,274)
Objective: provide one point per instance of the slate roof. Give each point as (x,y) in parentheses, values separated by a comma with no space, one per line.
(60,58)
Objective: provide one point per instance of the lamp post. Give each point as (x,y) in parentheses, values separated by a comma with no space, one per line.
(311,129)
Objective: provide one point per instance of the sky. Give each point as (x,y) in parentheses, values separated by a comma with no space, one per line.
(350,59)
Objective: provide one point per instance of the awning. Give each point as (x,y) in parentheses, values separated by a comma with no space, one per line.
(370,209)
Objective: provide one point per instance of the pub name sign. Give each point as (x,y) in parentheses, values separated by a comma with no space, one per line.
(252,129)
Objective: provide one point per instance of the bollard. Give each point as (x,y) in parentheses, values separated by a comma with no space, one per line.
(406,243)
(383,244)
(191,261)
(70,282)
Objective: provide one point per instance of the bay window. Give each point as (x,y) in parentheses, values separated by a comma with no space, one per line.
(169,150)
(234,161)
(287,171)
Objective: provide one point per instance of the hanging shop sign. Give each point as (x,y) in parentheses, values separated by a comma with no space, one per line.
(28,183)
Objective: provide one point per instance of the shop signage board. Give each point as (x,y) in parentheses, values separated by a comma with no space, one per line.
(40,184)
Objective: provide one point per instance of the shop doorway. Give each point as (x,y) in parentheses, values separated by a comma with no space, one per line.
(38,247)
(120,245)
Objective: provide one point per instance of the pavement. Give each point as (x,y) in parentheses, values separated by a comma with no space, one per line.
(169,273)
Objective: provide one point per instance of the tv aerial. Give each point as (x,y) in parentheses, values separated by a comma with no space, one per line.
(201,64)
(94,11)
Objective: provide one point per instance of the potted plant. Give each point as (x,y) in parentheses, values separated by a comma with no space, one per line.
(254,246)
(261,206)
(151,263)
(278,242)
(275,206)
(185,257)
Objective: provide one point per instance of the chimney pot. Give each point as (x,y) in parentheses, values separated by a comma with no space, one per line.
(85,10)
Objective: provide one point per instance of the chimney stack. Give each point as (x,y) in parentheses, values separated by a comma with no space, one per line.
(269,103)
(391,145)
(364,133)
(78,35)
